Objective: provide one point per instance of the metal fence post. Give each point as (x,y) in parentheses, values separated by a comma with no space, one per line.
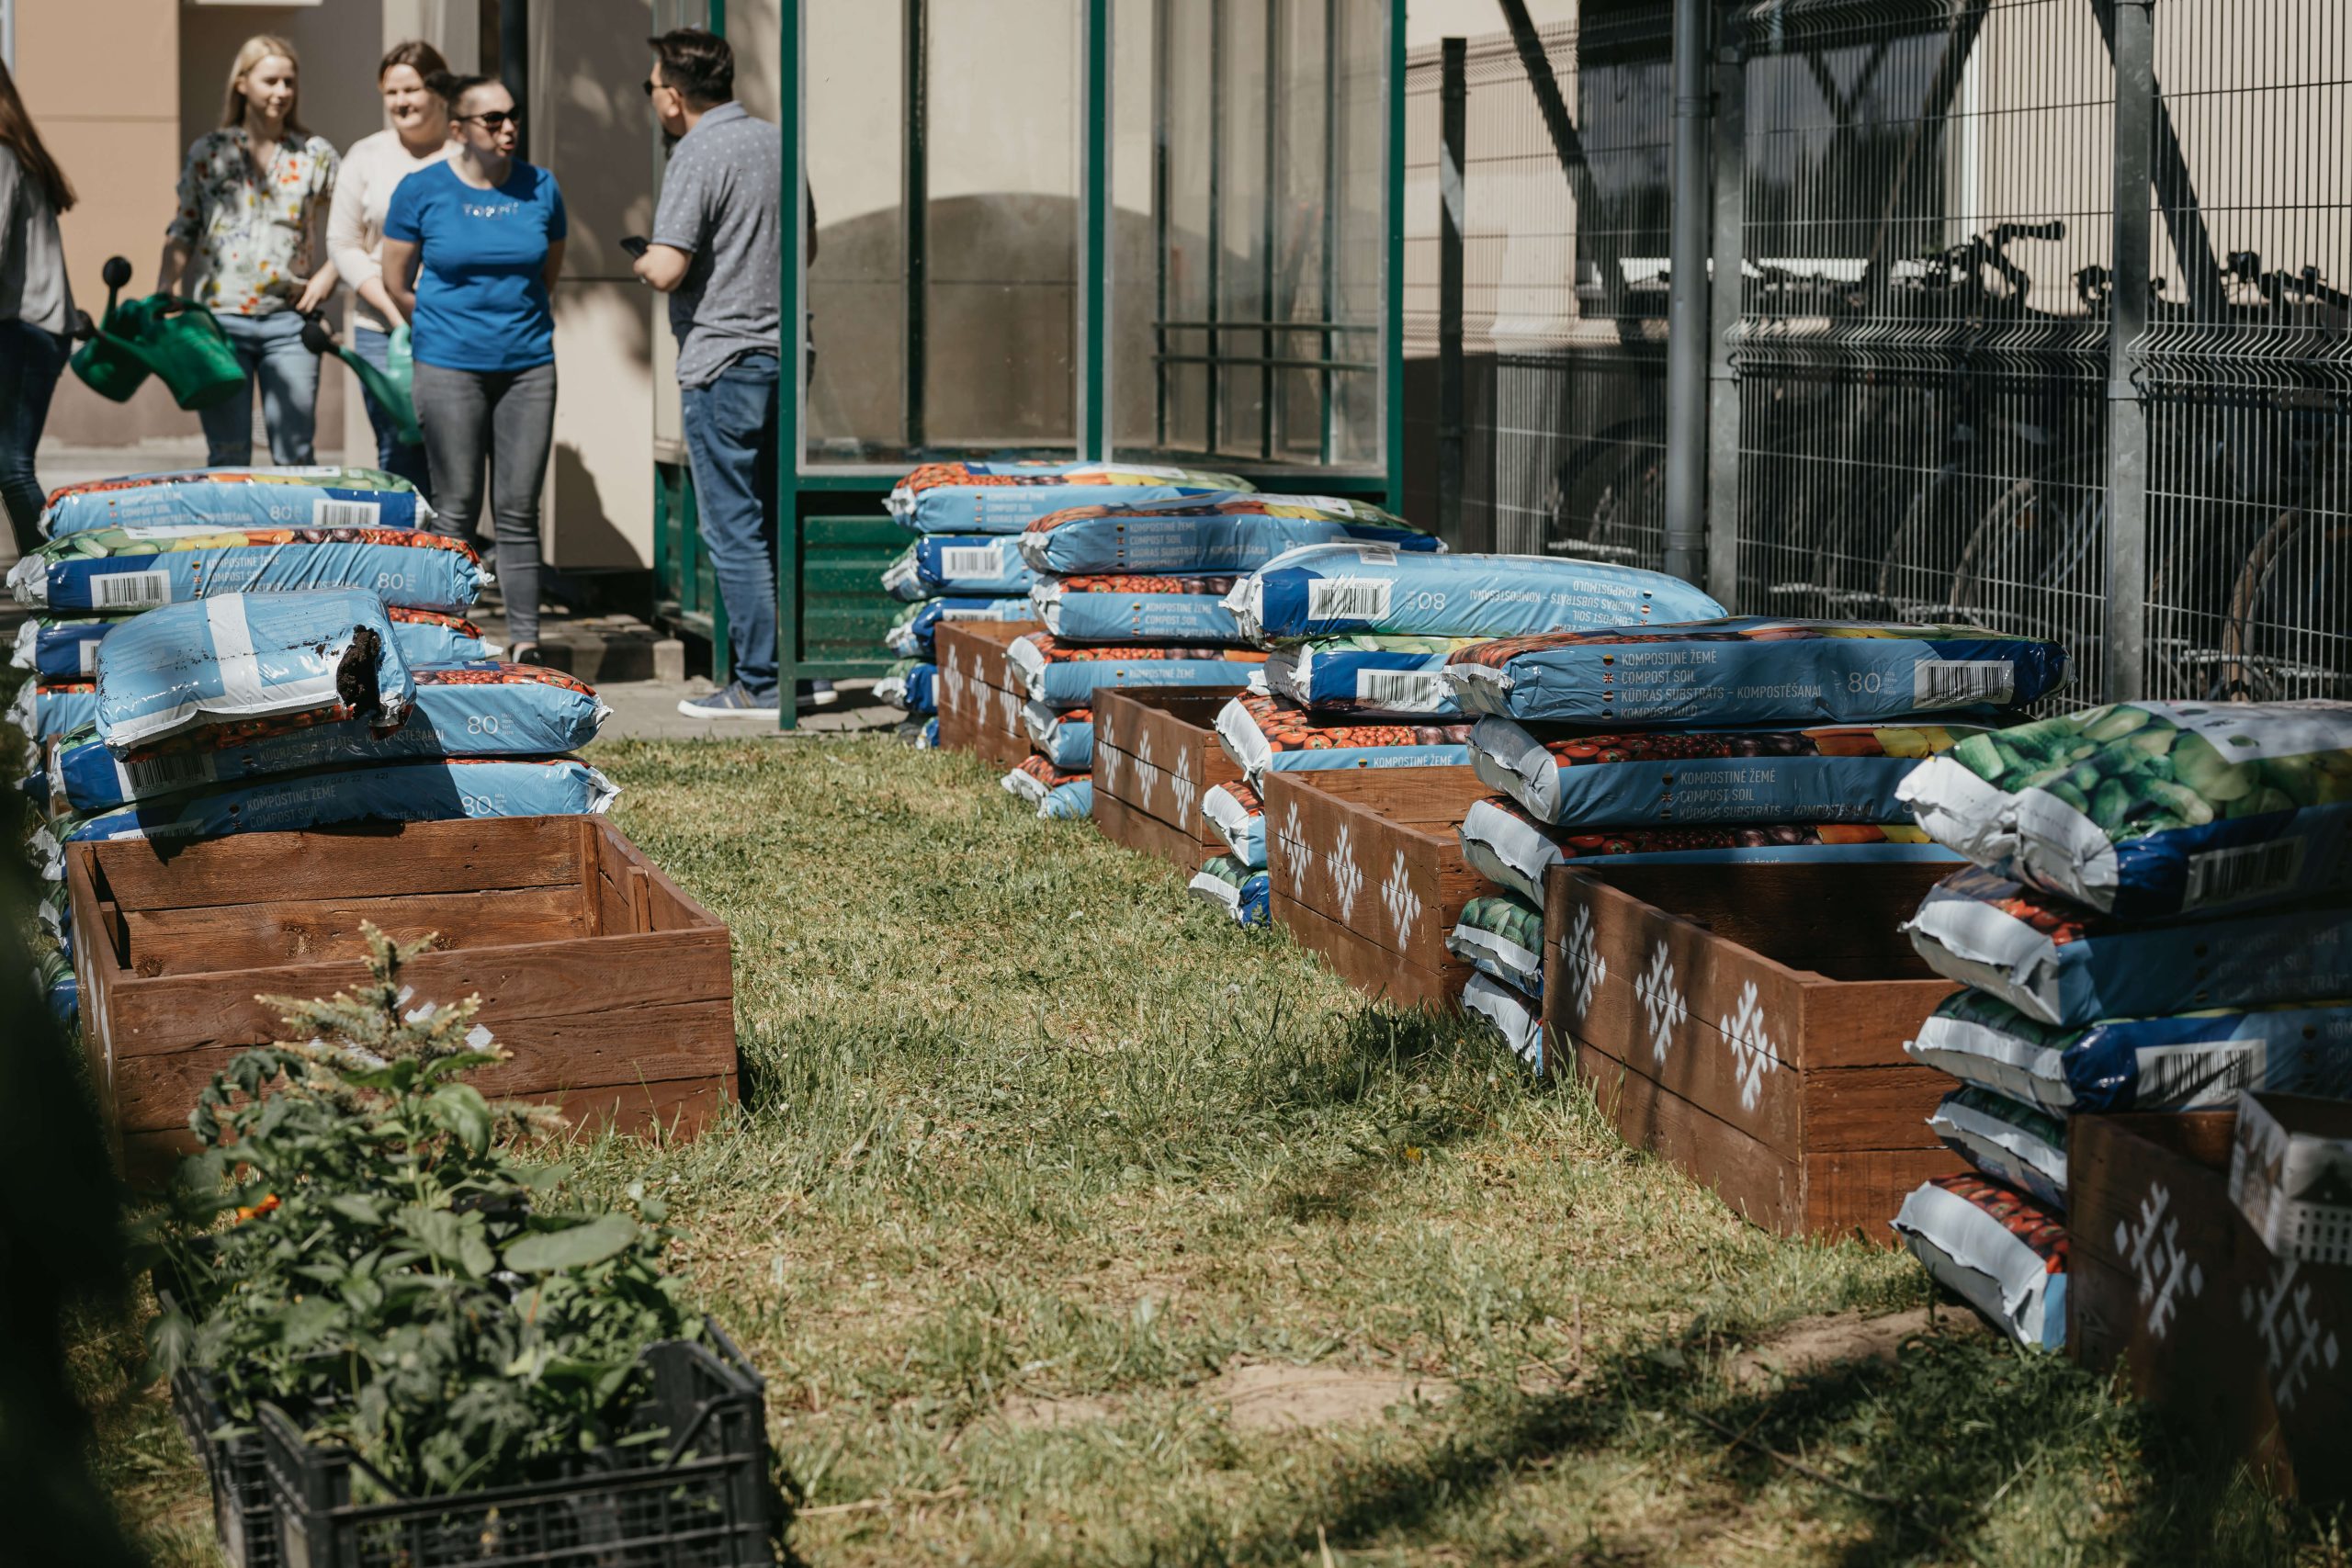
(2126,637)
(1686,309)
(1454,100)
(1723,381)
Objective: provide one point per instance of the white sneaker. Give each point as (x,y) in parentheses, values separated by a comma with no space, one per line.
(732,703)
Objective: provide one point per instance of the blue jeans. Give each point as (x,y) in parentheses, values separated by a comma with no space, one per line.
(270,348)
(731,441)
(31,359)
(400,461)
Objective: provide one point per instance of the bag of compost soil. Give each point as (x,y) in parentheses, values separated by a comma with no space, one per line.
(482,709)
(2150,810)
(47,710)
(1997,1249)
(1323,590)
(910,685)
(232,657)
(1055,792)
(2064,965)
(1128,607)
(1004,498)
(118,571)
(1511,1013)
(971,566)
(54,969)
(2196,1061)
(1239,890)
(2016,1144)
(1061,676)
(1239,818)
(1065,736)
(425,791)
(67,647)
(1661,777)
(914,632)
(1503,843)
(1264,734)
(1371,675)
(1218,533)
(1751,669)
(238,498)
(1502,934)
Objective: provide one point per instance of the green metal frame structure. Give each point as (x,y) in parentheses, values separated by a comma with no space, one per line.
(836,538)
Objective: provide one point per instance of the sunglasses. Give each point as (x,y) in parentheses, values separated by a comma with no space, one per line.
(496,119)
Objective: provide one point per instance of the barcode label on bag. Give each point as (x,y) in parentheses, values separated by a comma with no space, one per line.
(1348,598)
(970,560)
(159,775)
(2248,871)
(2192,1077)
(1961,683)
(88,650)
(328,513)
(131,590)
(1403,690)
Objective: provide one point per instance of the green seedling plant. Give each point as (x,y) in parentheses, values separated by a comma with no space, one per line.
(358,1243)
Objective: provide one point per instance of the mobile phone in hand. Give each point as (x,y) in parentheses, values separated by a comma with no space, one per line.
(633,247)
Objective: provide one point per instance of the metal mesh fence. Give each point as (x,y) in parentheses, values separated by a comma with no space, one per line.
(1920,216)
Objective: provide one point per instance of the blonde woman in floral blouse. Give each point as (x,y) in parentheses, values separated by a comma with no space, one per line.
(249,244)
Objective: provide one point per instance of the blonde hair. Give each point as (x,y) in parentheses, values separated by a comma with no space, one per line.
(252,52)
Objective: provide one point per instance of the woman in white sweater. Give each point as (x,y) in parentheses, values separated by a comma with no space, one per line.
(419,137)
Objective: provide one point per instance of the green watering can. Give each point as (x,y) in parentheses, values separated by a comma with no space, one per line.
(174,340)
(391,387)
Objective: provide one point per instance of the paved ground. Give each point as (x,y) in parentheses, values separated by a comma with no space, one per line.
(648,710)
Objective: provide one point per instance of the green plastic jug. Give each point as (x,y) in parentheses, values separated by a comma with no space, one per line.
(391,387)
(176,342)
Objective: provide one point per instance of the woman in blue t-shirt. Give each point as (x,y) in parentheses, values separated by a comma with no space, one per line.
(471,248)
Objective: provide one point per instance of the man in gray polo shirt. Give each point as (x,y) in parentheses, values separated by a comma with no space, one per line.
(716,250)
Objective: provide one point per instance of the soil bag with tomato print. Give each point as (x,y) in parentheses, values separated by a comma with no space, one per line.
(1136,607)
(1004,498)
(1751,669)
(1226,532)
(1065,736)
(121,570)
(1262,734)
(1055,792)
(1063,676)
(1997,1249)
(238,498)
(67,647)
(1323,590)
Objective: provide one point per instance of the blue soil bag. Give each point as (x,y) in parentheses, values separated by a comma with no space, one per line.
(120,570)
(1132,607)
(1338,590)
(47,710)
(1055,792)
(962,566)
(1263,735)
(1750,669)
(1004,498)
(914,632)
(230,658)
(1208,533)
(1064,736)
(1368,675)
(1243,892)
(393,792)
(1064,677)
(2196,1061)
(1239,815)
(911,684)
(67,647)
(484,709)
(2062,963)
(239,498)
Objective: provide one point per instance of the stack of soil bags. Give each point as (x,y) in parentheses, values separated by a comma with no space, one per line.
(2159,920)
(1718,742)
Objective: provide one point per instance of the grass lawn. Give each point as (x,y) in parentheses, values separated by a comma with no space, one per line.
(1071,1223)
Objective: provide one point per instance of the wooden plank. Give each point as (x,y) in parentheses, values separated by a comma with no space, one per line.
(1146,834)
(1864,1023)
(1168,793)
(279,932)
(1742,1170)
(1163,752)
(387,859)
(1372,969)
(1396,875)
(1853,1190)
(1856,1109)
(552,979)
(1753,1092)
(1842,921)
(549,1056)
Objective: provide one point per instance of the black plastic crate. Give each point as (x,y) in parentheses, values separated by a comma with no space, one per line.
(704,1500)
(242,1510)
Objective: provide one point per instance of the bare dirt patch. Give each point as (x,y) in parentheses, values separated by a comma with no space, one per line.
(1272,1397)
(1812,1344)
(1030,1412)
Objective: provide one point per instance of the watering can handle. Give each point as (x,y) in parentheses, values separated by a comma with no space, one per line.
(115,273)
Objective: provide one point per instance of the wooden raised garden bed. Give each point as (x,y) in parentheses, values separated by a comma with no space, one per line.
(2246,1351)
(1156,754)
(1746,1022)
(1365,867)
(979,697)
(610,987)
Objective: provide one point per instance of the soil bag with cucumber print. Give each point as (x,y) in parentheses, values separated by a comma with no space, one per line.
(123,571)
(914,632)
(2062,963)
(1241,891)
(2193,1061)
(959,566)
(1324,590)
(1207,534)
(2017,1144)
(1502,934)
(2152,809)
(1751,670)
(1004,498)
(1132,607)
(1511,1013)
(2000,1251)
(1065,737)
(239,498)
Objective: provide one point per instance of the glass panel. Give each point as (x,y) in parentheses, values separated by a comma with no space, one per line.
(1250,221)
(853,143)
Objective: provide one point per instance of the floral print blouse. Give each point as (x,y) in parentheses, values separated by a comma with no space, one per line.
(256,234)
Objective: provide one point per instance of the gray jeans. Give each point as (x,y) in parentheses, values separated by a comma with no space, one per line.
(508,418)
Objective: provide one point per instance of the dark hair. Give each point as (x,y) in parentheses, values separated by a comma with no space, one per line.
(450,87)
(17,135)
(418,56)
(699,65)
